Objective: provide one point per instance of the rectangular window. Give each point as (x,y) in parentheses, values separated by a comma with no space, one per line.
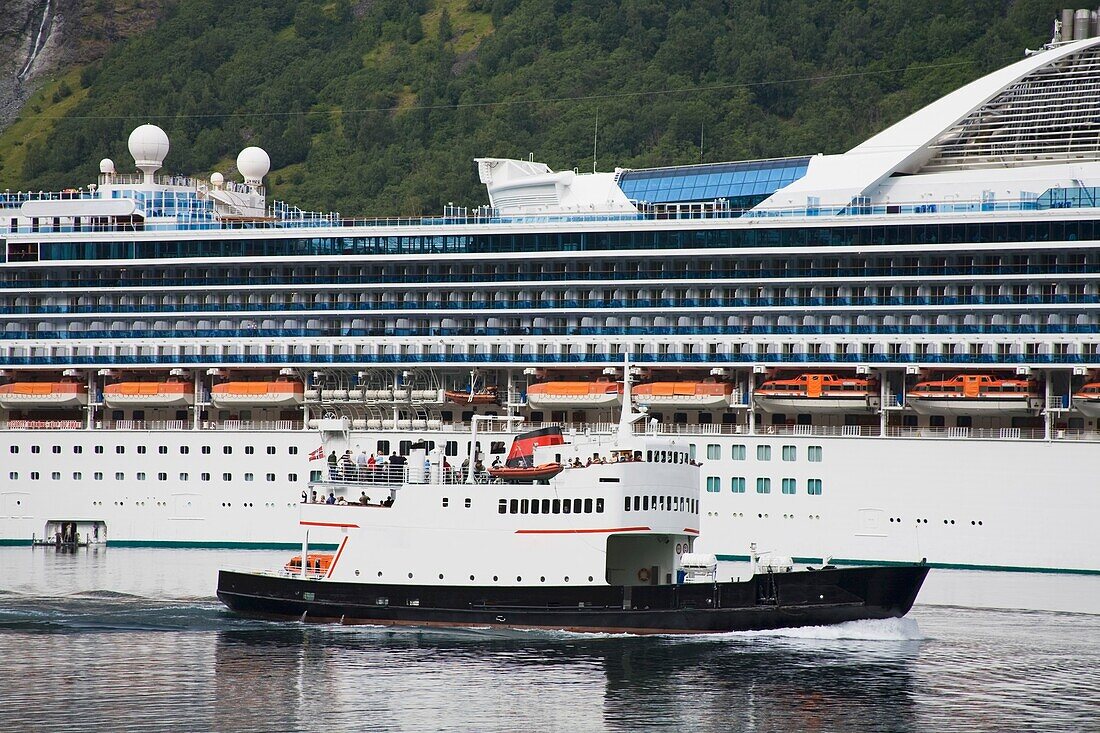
(626,504)
(141,449)
(248,450)
(141,476)
(98,476)
(599,505)
(502,506)
(714,484)
(163,449)
(184,450)
(271,450)
(737,452)
(227,477)
(577,506)
(555,507)
(450,448)
(790,453)
(513,506)
(293,477)
(206,450)
(162,476)
(737,484)
(545,506)
(99,449)
(247,477)
(227,449)
(788,486)
(13,449)
(56,475)
(78,449)
(36,449)
(120,449)
(35,476)
(813,454)
(270,477)
(14,476)
(763,486)
(120,476)
(588,505)
(57,449)
(383,447)
(813,487)
(292,450)
(714,452)
(567,506)
(206,476)
(184,476)
(763,452)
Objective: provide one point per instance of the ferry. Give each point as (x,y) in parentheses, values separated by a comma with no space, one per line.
(597,548)
(959,242)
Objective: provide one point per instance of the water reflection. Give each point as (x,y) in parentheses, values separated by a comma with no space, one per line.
(295,677)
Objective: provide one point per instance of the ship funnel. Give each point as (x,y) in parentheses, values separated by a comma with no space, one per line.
(1082,21)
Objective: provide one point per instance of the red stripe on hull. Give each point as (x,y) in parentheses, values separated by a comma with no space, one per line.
(328,524)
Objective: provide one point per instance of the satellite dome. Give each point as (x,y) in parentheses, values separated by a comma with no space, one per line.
(217,179)
(253,163)
(149,146)
(106,166)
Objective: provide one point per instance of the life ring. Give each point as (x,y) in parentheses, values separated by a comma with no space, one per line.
(643,575)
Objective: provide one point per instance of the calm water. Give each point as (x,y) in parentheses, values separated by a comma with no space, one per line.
(133,640)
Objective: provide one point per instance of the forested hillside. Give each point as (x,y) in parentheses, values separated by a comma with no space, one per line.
(378,106)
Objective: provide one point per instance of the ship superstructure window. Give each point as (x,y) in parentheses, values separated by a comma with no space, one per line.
(737,452)
(714,484)
(292,450)
(270,477)
(57,449)
(271,450)
(99,449)
(204,476)
(98,475)
(248,477)
(450,448)
(13,476)
(120,476)
(763,452)
(205,450)
(141,476)
(162,449)
(383,447)
(161,476)
(36,449)
(120,449)
(13,449)
(141,449)
(737,484)
(790,453)
(714,452)
(56,475)
(763,486)
(184,476)
(813,454)
(184,450)
(248,450)
(34,475)
(788,486)
(813,487)
(227,477)
(227,449)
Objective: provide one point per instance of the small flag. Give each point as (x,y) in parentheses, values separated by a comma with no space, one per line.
(317,454)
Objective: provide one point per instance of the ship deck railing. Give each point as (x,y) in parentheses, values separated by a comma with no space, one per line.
(288,218)
(454,474)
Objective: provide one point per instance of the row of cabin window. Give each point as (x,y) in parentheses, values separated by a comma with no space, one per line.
(141,476)
(764,485)
(162,449)
(763,453)
(666,456)
(550,506)
(660,503)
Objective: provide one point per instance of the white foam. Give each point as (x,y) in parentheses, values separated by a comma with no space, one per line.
(890,629)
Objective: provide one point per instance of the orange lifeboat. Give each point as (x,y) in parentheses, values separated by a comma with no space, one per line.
(319,563)
(600,394)
(1087,399)
(824,394)
(684,395)
(19,395)
(281,393)
(148,394)
(526,474)
(973,394)
(487,396)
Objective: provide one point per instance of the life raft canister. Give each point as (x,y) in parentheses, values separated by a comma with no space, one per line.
(643,575)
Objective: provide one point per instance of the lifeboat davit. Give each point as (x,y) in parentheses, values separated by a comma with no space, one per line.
(148,394)
(282,393)
(823,394)
(974,394)
(684,395)
(580,395)
(487,396)
(1087,400)
(318,563)
(18,395)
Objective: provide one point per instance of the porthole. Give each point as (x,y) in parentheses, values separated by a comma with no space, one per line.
(471,577)
(566,578)
(494,578)
(357,573)
(410,576)
(441,576)
(589,578)
(379,573)
(519,579)
(979,523)
(542,579)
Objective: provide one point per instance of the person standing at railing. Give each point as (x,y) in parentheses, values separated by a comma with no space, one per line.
(361,465)
(332,466)
(396,463)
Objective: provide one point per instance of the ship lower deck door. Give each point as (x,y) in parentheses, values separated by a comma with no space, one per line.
(654,578)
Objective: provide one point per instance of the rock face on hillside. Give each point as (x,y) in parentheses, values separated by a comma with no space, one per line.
(41,37)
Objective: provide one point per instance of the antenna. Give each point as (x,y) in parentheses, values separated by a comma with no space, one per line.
(595,136)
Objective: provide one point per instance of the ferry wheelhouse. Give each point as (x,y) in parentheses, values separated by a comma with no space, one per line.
(960,241)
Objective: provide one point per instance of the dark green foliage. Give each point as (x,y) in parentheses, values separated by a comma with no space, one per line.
(363,106)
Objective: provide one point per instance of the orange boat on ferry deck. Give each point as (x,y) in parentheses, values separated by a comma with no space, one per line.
(149,394)
(280,393)
(602,393)
(684,395)
(487,396)
(1086,400)
(818,393)
(20,395)
(317,563)
(974,394)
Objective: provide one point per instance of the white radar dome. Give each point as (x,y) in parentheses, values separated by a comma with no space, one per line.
(106,166)
(253,163)
(217,179)
(149,146)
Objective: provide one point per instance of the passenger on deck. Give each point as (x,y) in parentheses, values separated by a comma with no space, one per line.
(397,463)
(347,466)
(388,501)
(332,460)
(313,497)
(361,465)
(364,500)
(331,498)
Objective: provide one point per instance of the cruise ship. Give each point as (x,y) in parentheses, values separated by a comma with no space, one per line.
(886,355)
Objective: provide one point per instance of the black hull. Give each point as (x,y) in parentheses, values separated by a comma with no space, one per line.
(772,601)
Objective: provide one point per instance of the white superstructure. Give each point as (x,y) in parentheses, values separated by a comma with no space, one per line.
(960,241)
